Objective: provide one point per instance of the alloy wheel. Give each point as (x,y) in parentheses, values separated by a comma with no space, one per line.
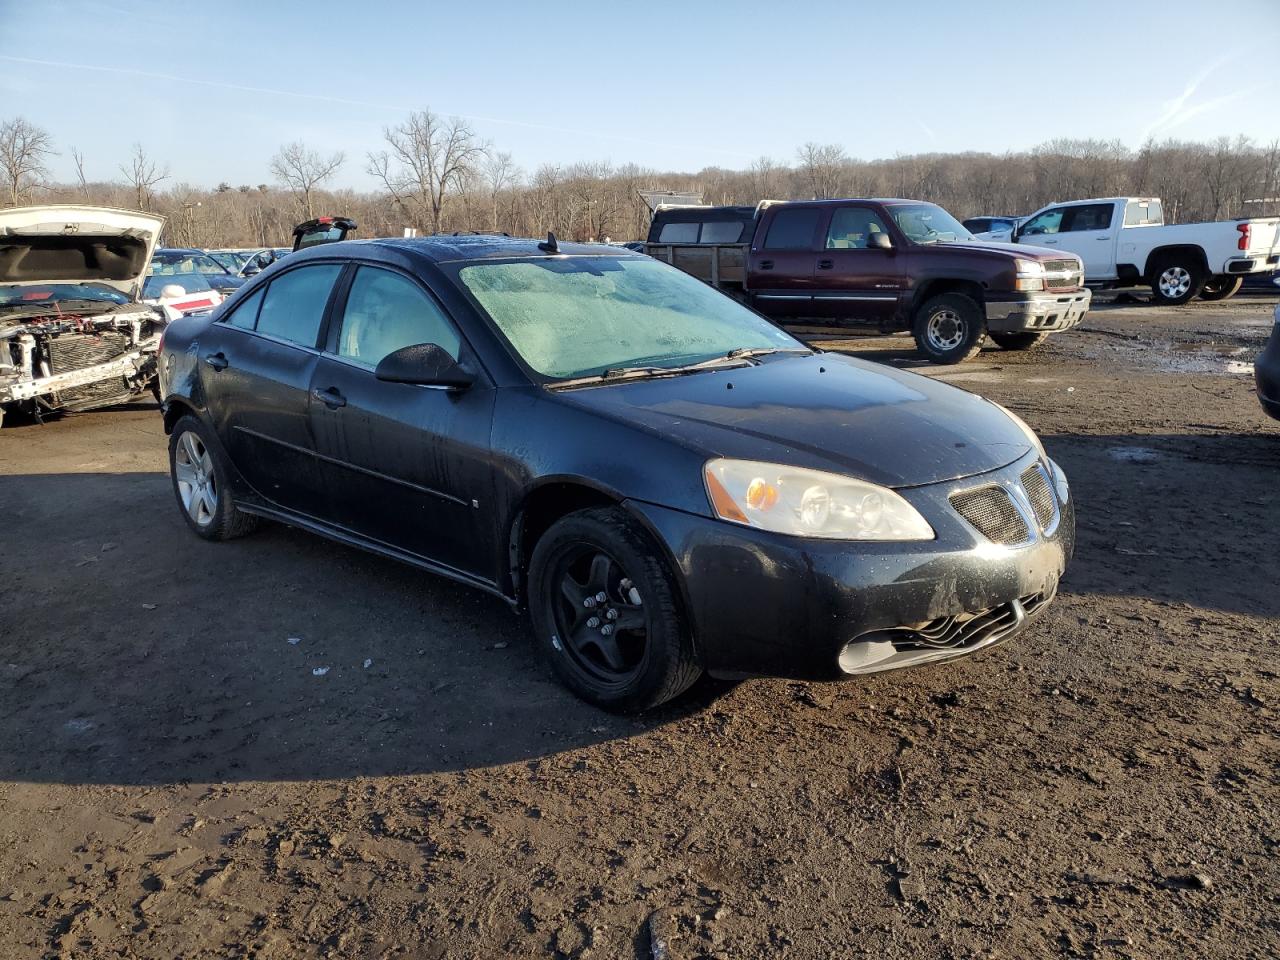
(599,613)
(197,485)
(1175,282)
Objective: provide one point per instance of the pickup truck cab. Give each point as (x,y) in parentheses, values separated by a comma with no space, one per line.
(1124,241)
(892,263)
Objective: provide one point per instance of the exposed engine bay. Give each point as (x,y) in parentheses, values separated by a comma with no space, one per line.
(63,360)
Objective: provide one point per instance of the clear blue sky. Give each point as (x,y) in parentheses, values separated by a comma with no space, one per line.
(212,89)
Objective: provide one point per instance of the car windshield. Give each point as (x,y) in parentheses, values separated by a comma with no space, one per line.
(37,294)
(175,262)
(927,223)
(227,259)
(580,316)
(190,282)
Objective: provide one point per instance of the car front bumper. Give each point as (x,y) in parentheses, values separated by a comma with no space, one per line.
(1038,312)
(768,604)
(1266,372)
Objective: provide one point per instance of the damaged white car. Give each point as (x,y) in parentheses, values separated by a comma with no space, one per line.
(74,334)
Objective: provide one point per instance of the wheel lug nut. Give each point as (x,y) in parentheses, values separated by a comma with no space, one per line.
(607,629)
(593,622)
(600,597)
(589,602)
(611,614)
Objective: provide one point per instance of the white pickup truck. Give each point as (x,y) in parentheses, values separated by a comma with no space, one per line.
(1124,242)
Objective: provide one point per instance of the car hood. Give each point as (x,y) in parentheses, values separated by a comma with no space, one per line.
(826,411)
(75,244)
(1023,251)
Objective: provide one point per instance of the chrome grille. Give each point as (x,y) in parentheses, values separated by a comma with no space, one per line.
(1040,494)
(965,630)
(75,351)
(992,514)
(1063,275)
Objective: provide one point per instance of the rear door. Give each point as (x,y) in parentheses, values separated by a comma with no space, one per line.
(256,367)
(405,465)
(854,281)
(783,260)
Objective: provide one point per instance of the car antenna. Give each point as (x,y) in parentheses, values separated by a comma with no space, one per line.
(549,244)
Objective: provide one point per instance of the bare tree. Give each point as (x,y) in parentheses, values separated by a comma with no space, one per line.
(821,165)
(302,169)
(428,158)
(78,158)
(500,173)
(24,147)
(143,175)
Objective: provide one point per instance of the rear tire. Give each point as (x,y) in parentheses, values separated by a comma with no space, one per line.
(1221,287)
(200,484)
(645,656)
(949,328)
(1176,280)
(1018,341)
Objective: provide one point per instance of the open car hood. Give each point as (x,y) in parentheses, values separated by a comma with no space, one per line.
(66,243)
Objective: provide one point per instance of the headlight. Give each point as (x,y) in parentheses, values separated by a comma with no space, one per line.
(1059,481)
(809,503)
(1030,276)
(1026,430)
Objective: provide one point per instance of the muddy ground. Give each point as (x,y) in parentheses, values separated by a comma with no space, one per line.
(176,779)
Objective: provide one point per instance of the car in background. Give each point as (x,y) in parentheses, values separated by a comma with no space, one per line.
(74,332)
(667,481)
(991,228)
(180,294)
(230,260)
(1266,370)
(322,230)
(181,261)
(1263,282)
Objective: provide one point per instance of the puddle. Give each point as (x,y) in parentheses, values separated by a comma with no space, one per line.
(1135,454)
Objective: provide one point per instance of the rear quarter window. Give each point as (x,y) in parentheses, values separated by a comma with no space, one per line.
(792,230)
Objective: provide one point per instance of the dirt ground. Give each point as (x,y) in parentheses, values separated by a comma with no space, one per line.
(180,777)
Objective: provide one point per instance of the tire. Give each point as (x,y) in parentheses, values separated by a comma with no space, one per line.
(1018,341)
(1176,280)
(628,668)
(203,493)
(949,328)
(1221,287)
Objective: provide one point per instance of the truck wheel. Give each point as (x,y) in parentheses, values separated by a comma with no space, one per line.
(1221,287)
(1018,341)
(1176,281)
(949,328)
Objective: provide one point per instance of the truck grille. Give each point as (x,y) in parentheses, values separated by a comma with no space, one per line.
(1040,494)
(1063,275)
(75,351)
(992,514)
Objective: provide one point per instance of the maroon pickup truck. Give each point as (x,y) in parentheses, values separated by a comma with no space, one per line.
(895,264)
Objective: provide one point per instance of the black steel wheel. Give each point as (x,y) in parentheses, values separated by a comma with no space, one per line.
(605,611)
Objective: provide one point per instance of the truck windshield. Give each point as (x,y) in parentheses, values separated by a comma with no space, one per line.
(928,223)
(580,316)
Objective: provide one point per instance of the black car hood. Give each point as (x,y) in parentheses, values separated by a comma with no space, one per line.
(826,411)
(225,282)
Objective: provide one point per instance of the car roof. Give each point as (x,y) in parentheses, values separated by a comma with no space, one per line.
(442,248)
(185,251)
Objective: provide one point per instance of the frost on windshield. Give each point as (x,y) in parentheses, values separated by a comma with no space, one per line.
(581,316)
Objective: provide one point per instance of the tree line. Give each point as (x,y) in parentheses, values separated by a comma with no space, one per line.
(436,175)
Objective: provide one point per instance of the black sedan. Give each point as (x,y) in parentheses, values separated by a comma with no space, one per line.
(1266,371)
(668,483)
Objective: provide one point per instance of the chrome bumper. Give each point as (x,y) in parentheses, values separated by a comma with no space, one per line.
(1039,312)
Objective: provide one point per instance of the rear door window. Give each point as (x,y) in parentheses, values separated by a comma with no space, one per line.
(1142,213)
(294,303)
(1091,216)
(792,230)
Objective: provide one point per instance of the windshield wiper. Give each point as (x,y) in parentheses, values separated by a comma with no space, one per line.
(749,352)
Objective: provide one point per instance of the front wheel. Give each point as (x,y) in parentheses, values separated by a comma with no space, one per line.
(1176,282)
(1018,341)
(1221,287)
(605,612)
(949,328)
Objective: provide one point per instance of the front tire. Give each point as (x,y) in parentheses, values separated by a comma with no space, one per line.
(200,483)
(1018,341)
(949,328)
(1177,281)
(1221,287)
(605,612)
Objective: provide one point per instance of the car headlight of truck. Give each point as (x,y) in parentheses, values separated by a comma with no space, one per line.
(809,503)
(1030,276)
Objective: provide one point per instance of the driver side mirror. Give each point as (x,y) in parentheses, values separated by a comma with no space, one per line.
(879,241)
(425,364)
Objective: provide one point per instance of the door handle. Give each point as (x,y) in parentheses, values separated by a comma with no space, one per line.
(766,264)
(217,360)
(1046,241)
(825,264)
(1104,238)
(331,398)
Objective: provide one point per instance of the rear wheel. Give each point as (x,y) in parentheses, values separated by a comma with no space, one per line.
(1018,341)
(605,612)
(949,328)
(1220,287)
(200,484)
(1176,281)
